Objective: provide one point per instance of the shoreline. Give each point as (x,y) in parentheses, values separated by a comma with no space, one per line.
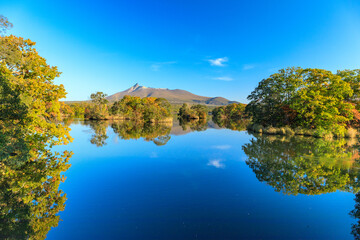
(288,131)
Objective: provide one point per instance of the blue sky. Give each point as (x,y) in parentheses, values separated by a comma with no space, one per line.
(211,48)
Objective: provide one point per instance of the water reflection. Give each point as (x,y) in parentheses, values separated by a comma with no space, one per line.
(99,135)
(300,165)
(30,174)
(238,125)
(194,124)
(126,130)
(157,133)
(206,171)
(355,228)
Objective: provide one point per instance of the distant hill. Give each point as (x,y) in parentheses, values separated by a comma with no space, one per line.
(176,96)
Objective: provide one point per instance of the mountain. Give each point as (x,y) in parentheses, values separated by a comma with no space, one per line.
(173,96)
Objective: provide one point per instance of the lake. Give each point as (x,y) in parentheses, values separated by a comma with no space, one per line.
(201,181)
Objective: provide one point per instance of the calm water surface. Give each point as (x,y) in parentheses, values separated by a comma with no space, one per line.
(201,181)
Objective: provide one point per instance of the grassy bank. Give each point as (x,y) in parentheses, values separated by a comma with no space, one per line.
(318,133)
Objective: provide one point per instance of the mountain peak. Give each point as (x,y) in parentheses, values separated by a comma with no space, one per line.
(176,96)
(134,88)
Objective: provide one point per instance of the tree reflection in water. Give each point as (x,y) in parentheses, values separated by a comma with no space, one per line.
(238,125)
(157,133)
(193,124)
(355,228)
(300,165)
(30,174)
(304,165)
(99,136)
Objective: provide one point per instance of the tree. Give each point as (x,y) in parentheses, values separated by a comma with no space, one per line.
(99,109)
(320,102)
(233,111)
(28,96)
(310,98)
(4,25)
(30,174)
(184,111)
(270,100)
(146,109)
(353,78)
(197,111)
(99,98)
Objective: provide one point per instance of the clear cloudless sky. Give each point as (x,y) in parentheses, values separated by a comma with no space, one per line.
(211,48)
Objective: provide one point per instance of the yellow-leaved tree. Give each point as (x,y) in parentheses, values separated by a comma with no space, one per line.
(30,172)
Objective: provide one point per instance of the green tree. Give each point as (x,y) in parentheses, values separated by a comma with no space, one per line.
(146,109)
(99,98)
(233,111)
(311,98)
(320,103)
(270,101)
(184,111)
(197,111)
(353,78)
(99,109)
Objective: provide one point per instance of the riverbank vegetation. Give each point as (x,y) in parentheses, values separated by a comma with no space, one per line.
(310,101)
(288,131)
(198,111)
(146,109)
(233,111)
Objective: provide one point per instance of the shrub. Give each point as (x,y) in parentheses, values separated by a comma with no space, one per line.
(328,135)
(299,131)
(281,131)
(351,133)
(270,130)
(289,131)
(308,132)
(351,141)
(258,128)
(322,133)
(319,133)
(339,131)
